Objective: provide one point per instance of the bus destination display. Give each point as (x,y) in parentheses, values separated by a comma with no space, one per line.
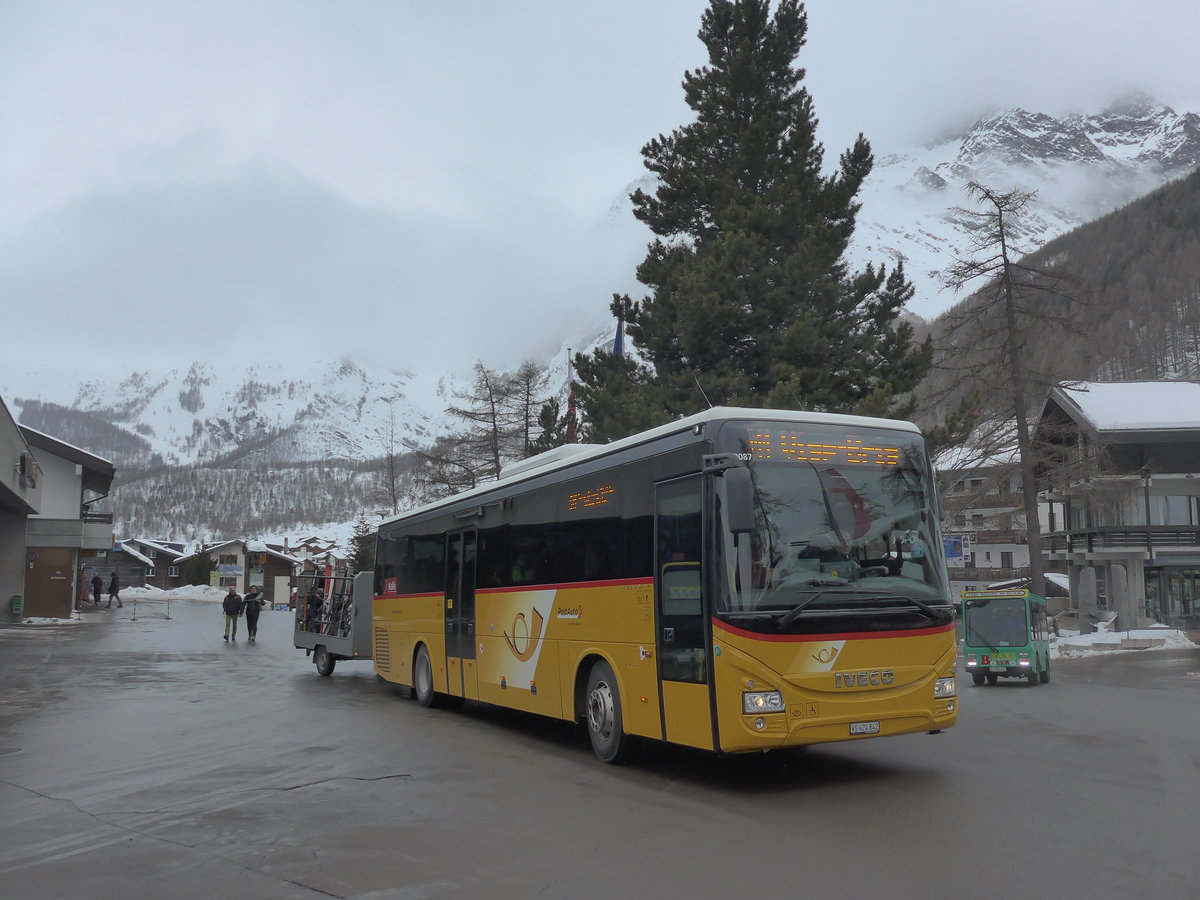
(796,446)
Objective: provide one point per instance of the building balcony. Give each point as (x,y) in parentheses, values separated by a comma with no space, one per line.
(954,500)
(76,533)
(987,573)
(1123,537)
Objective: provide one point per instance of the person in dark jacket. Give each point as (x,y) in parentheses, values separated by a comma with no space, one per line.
(252,605)
(232,607)
(114,591)
(97,587)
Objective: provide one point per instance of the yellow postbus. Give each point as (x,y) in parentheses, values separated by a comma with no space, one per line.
(739,580)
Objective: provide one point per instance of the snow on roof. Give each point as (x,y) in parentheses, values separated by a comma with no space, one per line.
(124,547)
(172,548)
(257,546)
(1136,405)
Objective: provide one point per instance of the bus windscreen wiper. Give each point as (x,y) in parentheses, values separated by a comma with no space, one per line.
(982,639)
(798,610)
(794,613)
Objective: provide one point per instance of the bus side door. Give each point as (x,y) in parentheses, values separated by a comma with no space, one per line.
(461,675)
(682,619)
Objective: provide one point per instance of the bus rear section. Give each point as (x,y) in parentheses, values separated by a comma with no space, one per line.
(1005,635)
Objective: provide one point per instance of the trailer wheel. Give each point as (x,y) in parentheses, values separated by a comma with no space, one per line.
(605,725)
(423,678)
(324,660)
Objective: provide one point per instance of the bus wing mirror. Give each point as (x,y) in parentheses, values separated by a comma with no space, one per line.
(739,500)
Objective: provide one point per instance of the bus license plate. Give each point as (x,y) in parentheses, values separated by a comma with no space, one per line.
(999,668)
(864,728)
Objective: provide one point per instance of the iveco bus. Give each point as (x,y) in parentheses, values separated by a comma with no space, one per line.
(743,579)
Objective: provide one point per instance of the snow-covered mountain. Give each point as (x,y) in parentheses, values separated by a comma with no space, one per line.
(1082,166)
(203,413)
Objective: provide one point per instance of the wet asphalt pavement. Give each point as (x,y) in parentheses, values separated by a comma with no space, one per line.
(148,758)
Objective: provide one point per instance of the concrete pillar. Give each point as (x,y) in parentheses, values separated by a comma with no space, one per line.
(1086,602)
(1118,592)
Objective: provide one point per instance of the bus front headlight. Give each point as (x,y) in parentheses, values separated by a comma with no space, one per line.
(944,687)
(754,702)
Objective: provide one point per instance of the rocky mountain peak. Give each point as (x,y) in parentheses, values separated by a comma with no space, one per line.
(1079,166)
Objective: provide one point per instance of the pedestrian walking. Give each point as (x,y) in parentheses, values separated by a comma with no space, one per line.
(252,606)
(97,587)
(114,591)
(232,607)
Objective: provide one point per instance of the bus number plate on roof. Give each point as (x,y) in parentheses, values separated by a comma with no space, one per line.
(864,728)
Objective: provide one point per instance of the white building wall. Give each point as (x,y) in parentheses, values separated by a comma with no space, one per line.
(63,491)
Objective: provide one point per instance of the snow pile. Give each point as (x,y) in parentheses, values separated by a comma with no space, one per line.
(51,620)
(186,592)
(1073,645)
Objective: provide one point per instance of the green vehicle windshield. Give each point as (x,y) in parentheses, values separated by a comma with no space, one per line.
(995,622)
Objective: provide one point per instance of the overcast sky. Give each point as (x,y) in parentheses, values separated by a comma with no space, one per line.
(430,183)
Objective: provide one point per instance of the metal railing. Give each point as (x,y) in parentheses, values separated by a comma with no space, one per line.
(1119,537)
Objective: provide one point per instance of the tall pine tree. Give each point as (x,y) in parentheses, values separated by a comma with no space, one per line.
(751,302)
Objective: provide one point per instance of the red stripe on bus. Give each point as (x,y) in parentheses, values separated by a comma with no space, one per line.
(845,636)
(408,596)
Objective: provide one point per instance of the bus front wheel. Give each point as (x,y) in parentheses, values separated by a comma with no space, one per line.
(423,678)
(324,660)
(605,726)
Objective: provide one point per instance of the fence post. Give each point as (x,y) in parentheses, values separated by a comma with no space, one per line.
(134,619)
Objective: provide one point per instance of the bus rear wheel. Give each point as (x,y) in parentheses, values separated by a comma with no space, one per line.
(991,677)
(324,660)
(977,677)
(1045,676)
(423,678)
(606,727)
(1033,676)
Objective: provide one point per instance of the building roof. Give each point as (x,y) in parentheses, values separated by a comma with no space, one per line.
(172,548)
(1132,406)
(123,547)
(98,472)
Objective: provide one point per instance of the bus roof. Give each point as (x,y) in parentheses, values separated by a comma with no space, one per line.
(561,457)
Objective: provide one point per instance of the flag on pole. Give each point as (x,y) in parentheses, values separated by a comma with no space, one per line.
(619,341)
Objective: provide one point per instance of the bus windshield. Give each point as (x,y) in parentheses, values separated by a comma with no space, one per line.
(995,622)
(845,534)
